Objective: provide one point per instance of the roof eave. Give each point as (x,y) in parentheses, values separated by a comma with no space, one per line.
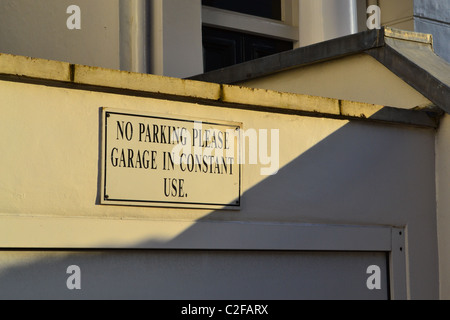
(409,55)
(319,52)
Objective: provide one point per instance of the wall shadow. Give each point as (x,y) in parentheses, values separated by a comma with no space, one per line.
(364,174)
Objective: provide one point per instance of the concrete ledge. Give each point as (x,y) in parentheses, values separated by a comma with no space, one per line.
(408,35)
(268,98)
(34,68)
(145,82)
(62,74)
(388,114)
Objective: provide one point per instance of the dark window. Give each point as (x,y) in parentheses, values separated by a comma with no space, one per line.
(262,8)
(223,48)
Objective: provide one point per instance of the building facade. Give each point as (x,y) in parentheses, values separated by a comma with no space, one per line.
(318,150)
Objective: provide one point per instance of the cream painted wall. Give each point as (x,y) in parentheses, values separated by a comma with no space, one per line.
(332,172)
(357,78)
(397,14)
(38,29)
(321,20)
(176,38)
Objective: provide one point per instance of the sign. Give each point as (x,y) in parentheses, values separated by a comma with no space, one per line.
(158,160)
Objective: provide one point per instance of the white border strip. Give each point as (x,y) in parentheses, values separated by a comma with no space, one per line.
(85,233)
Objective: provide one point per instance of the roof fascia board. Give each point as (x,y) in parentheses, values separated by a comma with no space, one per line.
(421,79)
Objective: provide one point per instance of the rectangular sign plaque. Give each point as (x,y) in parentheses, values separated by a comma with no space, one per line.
(165,161)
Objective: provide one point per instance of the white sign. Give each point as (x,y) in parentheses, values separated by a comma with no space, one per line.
(157,160)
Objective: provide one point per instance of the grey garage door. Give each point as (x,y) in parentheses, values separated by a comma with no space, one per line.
(174,274)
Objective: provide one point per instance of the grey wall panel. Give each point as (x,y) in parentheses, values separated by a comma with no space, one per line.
(434,17)
(435,10)
(441,35)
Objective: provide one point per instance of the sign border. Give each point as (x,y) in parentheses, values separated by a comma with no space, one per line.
(105,200)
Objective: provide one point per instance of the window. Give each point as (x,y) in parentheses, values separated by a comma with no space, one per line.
(262,8)
(238,31)
(223,48)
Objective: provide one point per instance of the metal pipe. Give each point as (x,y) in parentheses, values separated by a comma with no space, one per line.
(133,35)
(353,10)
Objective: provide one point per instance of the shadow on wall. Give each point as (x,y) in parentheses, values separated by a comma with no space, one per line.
(364,173)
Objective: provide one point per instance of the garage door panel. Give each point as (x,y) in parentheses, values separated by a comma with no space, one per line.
(184,274)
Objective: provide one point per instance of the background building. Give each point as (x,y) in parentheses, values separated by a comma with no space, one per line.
(165,37)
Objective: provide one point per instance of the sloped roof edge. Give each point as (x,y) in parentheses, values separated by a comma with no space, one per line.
(414,61)
(409,55)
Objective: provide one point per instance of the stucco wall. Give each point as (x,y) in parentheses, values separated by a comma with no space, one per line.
(358,174)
